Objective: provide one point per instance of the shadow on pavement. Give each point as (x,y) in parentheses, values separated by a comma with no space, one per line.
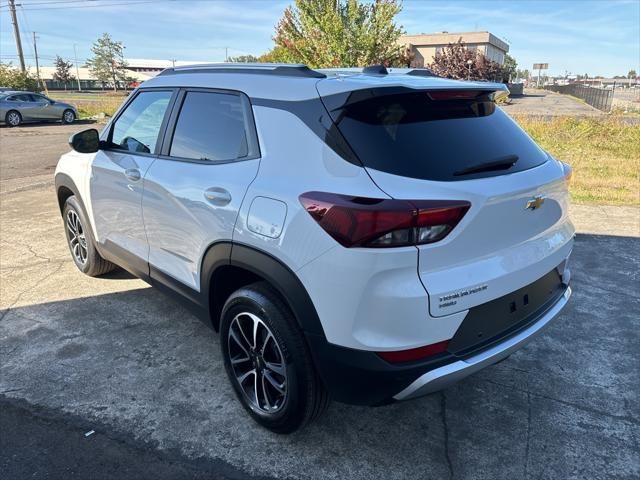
(48,124)
(137,367)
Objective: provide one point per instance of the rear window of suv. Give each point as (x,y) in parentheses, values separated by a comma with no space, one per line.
(410,134)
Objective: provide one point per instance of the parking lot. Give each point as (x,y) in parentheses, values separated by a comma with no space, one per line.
(546,103)
(114,356)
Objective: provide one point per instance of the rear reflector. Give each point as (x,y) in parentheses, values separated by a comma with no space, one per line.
(380,223)
(414,354)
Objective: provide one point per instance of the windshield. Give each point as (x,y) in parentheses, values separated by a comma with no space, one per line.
(411,134)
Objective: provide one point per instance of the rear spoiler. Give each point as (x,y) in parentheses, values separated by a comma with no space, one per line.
(340,99)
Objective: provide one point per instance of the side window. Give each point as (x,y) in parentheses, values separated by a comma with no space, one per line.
(213,126)
(137,129)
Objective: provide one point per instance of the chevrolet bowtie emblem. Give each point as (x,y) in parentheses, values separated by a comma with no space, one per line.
(535,202)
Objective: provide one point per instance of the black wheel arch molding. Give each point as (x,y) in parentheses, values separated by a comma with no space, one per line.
(64,184)
(264,266)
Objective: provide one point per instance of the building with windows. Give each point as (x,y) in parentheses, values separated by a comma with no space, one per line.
(137,71)
(425,45)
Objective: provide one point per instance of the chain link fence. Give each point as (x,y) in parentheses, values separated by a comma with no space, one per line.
(600,98)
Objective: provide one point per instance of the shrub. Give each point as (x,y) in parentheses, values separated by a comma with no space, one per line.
(14,78)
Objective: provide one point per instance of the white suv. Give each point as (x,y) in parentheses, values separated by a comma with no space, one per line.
(362,235)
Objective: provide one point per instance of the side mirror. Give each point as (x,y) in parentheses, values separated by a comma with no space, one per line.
(86,141)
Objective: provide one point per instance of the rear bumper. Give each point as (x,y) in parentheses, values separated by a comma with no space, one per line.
(442,377)
(363,378)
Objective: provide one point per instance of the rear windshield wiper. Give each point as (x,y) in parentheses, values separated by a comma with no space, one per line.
(502,163)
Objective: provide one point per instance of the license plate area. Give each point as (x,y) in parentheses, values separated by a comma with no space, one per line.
(498,319)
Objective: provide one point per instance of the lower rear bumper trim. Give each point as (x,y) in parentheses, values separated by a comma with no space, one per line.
(442,377)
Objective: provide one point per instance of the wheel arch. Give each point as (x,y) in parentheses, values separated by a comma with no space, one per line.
(65,188)
(228,266)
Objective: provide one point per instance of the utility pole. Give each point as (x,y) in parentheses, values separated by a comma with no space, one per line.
(75,55)
(226,54)
(173,62)
(35,51)
(16,33)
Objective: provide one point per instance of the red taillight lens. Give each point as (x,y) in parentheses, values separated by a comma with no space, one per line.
(414,354)
(373,222)
(455,94)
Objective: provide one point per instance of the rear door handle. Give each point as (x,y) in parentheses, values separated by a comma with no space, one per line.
(217,196)
(132,174)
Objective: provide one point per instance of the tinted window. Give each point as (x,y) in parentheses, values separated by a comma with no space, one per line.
(20,98)
(213,126)
(137,129)
(411,135)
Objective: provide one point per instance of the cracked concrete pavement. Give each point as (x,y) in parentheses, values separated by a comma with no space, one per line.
(118,357)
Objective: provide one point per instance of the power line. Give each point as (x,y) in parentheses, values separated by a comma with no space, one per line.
(65,4)
(124,3)
(29,4)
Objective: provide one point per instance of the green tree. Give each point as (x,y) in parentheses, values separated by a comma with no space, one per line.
(15,79)
(243,59)
(107,63)
(277,54)
(457,61)
(632,74)
(339,33)
(63,71)
(510,67)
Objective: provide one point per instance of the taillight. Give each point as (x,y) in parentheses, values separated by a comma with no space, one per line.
(414,354)
(376,222)
(455,94)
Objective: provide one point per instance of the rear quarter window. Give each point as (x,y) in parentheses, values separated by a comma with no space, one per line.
(411,135)
(214,126)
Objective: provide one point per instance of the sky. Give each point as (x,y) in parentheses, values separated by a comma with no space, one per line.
(598,37)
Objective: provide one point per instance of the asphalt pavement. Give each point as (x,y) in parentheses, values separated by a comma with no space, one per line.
(117,357)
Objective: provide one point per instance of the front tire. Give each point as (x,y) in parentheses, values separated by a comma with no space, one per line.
(81,242)
(13,118)
(268,362)
(68,117)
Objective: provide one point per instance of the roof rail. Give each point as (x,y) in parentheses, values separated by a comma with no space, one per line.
(279,69)
(379,70)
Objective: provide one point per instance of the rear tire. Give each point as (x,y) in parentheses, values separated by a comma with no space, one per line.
(284,392)
(13,118)
(68,117)
(81,242)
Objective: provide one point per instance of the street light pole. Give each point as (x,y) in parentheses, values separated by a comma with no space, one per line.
(75,55)
(35,51)
(469,63)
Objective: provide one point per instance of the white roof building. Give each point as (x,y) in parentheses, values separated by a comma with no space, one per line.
(140,69)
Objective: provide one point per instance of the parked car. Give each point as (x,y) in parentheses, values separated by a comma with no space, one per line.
(362,236)
(21,107)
